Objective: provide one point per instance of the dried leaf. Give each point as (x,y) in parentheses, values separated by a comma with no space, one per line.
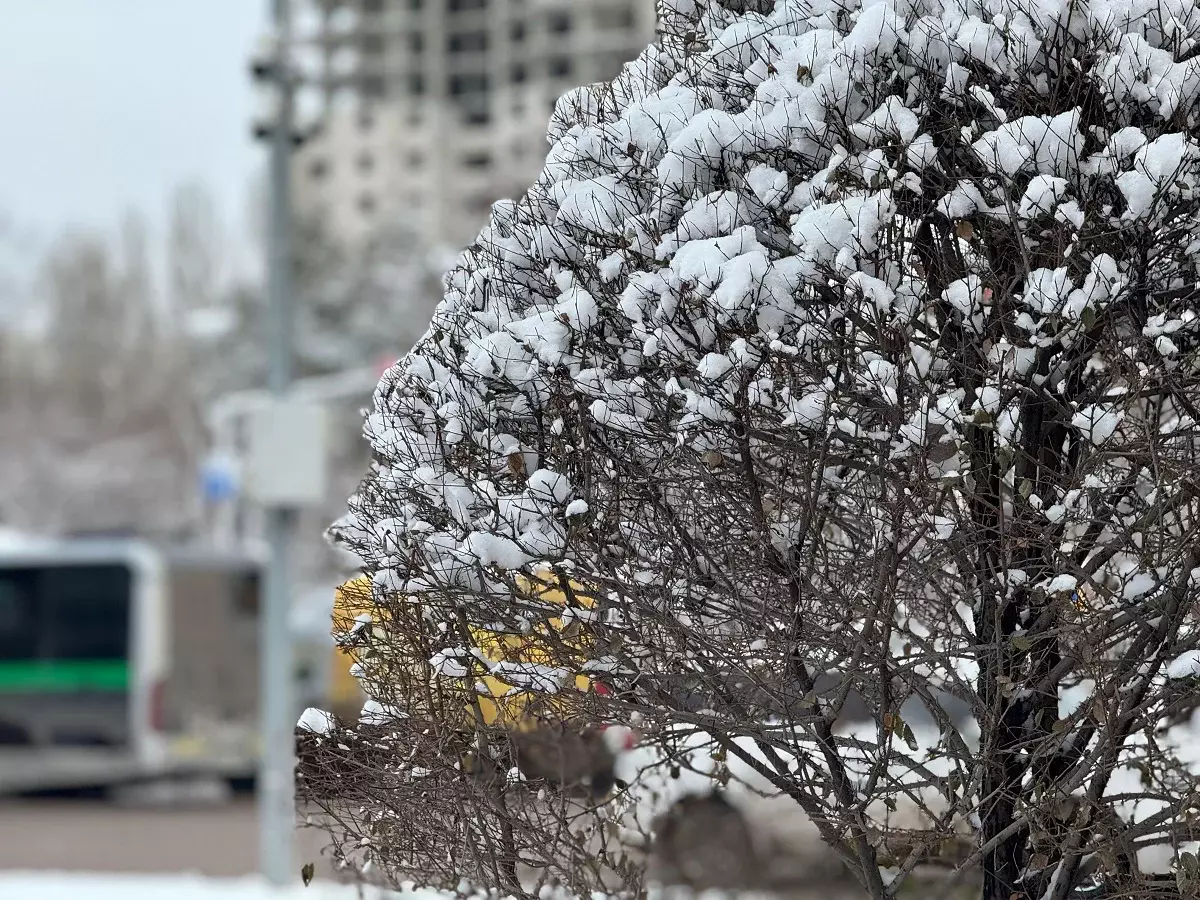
(307,872)
(516,463)
(571,631)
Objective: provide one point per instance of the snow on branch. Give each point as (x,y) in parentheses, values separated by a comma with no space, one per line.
(844,358)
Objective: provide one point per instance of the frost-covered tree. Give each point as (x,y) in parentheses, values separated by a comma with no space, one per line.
(840,351)
(194,249)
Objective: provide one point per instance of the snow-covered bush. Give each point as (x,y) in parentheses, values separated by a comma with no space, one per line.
(844,350)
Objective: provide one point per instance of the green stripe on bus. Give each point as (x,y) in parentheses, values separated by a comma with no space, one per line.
(64,676)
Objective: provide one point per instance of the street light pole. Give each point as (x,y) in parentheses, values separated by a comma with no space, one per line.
(276,767)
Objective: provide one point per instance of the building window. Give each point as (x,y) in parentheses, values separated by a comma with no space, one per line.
(371,44)
(416,42)
(612,18)
(372,86)
(477,114)
(560,67)
(466,5)
(559,22)
(480,159)
(416,159)
(468,83)
(516,31)
(372,6)
(416,84)
(467,42)
(366,204)
(366,120)
(415,4)
(366,162)
(318,170)
(519,73)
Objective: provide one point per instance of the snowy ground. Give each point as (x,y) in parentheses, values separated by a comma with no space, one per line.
(84,886)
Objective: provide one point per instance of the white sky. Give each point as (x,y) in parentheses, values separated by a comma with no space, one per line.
(106,105)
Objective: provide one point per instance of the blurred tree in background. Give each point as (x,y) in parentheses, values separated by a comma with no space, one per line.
(101,428)
(112,354)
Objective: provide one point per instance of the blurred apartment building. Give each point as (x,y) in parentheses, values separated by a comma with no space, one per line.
(437,108)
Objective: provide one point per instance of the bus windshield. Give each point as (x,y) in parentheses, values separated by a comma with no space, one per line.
(65,627)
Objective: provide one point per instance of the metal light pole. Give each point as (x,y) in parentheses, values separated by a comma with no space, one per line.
(276,771)
(286,461)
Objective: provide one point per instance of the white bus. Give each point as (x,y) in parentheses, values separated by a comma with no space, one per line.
(122,661)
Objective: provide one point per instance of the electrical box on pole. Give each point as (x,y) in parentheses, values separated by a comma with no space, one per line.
(286,465)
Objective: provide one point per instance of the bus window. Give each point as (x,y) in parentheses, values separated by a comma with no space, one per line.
(18,625)
(246,594)
(87,611)
(65,612)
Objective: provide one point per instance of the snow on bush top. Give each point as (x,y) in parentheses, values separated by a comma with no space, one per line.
(752,190)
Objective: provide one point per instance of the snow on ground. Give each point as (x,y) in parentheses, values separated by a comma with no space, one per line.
(86,886)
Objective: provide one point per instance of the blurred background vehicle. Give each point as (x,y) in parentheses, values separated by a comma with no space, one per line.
(122,660)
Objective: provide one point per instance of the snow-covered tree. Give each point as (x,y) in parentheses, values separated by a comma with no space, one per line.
(841,350)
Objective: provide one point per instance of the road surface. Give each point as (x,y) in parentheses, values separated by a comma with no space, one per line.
(218,840)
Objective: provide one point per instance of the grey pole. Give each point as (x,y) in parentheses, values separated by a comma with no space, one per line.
(276,767)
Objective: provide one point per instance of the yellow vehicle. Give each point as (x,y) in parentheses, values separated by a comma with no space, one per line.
(500,703)
(346,695)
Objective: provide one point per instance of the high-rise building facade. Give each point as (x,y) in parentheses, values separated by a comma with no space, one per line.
(451,99)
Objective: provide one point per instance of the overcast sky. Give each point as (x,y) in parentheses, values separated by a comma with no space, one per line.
(106,105)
